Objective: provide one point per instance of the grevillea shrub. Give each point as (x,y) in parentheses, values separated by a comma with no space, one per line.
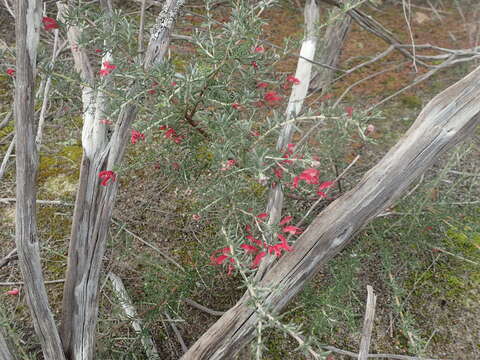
(209,121)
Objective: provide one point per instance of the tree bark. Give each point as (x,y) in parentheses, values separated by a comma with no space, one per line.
(94,203)
(448,119)
(5,351)
(27,28)
(331,49)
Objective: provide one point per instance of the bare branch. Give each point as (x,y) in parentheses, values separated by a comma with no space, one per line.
(367,324)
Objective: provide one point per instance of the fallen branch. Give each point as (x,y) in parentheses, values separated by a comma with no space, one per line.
(203,308)
(12,255)
(177,333)
(20,283)
(130,311)
(367,324)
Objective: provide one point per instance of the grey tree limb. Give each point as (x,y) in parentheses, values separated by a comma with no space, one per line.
(27,28)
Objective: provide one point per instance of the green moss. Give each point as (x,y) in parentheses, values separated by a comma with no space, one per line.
(66,162)
(411,101)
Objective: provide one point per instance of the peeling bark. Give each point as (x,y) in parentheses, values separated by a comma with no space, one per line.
(27,28)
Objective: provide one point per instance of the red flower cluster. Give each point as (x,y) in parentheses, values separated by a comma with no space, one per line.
(136,135)
(262,85)
(107,175)
(236,106)
(254,65)
(49,23)
(107,68)
(271,97)
(256,249)
(291,80)
(170,133)
(10,72)
(259,49)
(310,176)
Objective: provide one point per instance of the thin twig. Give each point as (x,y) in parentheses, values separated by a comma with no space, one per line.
(387,356)
(177,333)
(41,202)
(131,312)
(3,167)
(203,308)
(19,283)
(148,244)
(9,257)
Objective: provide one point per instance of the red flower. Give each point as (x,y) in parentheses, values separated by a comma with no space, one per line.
(259,49)
(196,217)
(170,133)
(272,96)
(255,133)
(324,185)
(14,291)
(292,230)
(178,139)
(173,83)
(253,240)
(98,50)
(220,259)
(10,72)
(278,172)
(249,249)
(286,220)
(292,79)
(228,164)
(257,259)
(254,65)
(236,106)
(106,122)
(349,111)
(262,216)
(284,244)
(107,68)
(310,176)
(107,175)
(262,85)
(136,135)
(49,23)
(290,148)
(248,229)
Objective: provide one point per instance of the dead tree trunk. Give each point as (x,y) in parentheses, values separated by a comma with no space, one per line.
(5,352)
(94,203)
(449,118)
(27,28)
(330,50)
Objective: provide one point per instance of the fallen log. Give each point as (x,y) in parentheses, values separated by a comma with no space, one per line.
(447,119)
